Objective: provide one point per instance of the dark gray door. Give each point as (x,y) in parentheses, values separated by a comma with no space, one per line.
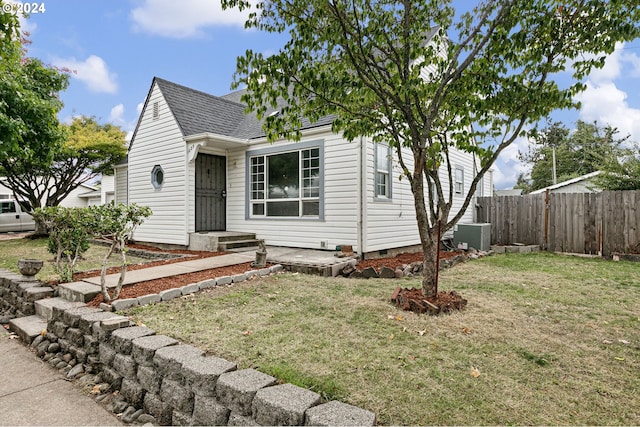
(211,193)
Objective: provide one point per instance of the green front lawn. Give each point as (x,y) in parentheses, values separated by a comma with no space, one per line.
(545,339)
(13,250)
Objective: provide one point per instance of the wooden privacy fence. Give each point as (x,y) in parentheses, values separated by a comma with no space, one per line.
(590,223)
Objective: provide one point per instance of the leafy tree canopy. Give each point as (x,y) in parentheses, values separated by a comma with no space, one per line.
(29,101)
(623,173)
(88,149)
(416,74)
(586,149)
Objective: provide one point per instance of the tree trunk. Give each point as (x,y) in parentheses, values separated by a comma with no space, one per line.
(429,264)
(103,275)
(123,269)
(428,239)
(41,228)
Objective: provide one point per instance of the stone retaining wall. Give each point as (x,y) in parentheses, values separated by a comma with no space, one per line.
(162,381)
(18,293)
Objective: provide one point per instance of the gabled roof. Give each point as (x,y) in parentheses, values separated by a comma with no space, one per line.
(198,112)
(585,177)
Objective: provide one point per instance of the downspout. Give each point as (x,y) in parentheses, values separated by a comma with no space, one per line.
(186,196)
(362,192)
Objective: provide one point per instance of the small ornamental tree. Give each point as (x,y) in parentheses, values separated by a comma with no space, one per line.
(425,79)
(68,236)
(115,224)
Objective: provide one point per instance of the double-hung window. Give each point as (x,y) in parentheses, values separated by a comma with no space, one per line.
(383,172)
(285,184)
(459,181)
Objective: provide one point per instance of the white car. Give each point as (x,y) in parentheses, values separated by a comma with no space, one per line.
(12,217)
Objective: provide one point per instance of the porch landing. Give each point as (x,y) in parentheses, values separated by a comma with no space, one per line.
(215,241)
(308,261)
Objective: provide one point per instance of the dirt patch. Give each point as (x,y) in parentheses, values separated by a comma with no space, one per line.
(157,285)
(188,256)
(414,300)
(401,260)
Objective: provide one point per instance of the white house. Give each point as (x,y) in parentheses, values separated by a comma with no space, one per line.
(581,184)
(202,165)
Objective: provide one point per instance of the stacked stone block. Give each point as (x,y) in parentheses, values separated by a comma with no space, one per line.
(18,293)
(162,381)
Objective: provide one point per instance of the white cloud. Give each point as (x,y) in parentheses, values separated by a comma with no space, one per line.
(604,101)
(117,115)
(607,104)
(184,18)
(93,72)
(508,166)
(611,69)
(139,108)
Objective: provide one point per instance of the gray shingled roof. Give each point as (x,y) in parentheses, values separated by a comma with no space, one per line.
(198,112)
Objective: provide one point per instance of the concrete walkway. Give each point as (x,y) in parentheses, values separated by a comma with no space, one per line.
(32,393)
(175,269)
(277,255)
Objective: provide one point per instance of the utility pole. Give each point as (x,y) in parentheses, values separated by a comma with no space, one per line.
(553,154)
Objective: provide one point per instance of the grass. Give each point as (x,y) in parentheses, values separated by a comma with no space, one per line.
(545,339)
(13,250)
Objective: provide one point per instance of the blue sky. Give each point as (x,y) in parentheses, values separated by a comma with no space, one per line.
(117,47)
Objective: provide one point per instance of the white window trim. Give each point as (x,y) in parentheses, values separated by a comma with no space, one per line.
(266,152)
(457,182)
(388,172)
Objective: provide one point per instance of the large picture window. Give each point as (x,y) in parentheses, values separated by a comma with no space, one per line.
(285,184)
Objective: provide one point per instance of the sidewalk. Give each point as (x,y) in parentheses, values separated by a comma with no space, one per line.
(32,393)
(290,257)
(175,269)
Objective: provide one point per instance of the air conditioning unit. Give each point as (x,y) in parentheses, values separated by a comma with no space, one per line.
(477,236)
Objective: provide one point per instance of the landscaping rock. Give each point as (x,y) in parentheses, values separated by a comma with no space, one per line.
(237,389)
(202,374)
(370,273)
(75,371)
(208,412)
(339,414)
(387,273)
(124,304)
(144,348)
(283,405)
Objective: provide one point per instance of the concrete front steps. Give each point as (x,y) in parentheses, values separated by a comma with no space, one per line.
(222,241)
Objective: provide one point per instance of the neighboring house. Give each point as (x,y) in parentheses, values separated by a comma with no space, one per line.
(509,192)
(581,184)
(203,165)
(83,196)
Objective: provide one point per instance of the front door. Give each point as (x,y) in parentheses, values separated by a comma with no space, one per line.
(211,193)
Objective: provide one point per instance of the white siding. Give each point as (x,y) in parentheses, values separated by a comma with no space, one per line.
(392,224)
(339,226)
(107,188)
(389,223)
(158,141)
(73,201)
(121,185)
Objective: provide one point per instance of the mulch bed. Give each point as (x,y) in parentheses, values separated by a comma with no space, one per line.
(400,260)
(406,299)
(157,285)
(414,300)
